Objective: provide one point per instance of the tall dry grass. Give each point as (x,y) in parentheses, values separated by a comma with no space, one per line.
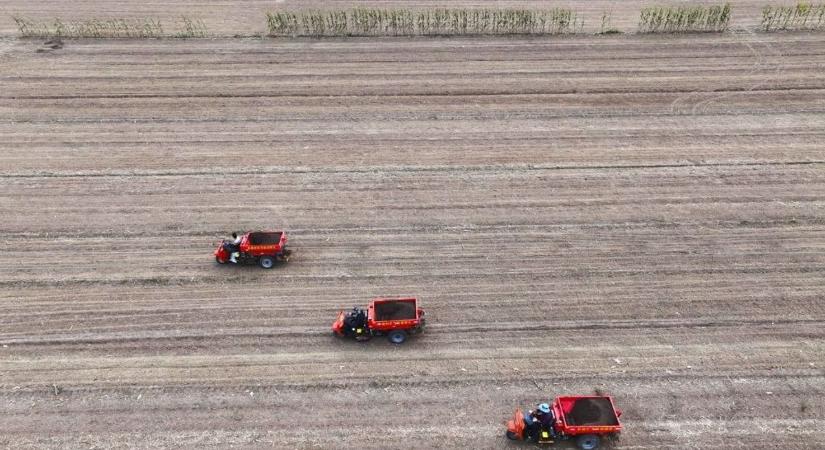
(428,22)
(685,19)
(802,16)
(108,28)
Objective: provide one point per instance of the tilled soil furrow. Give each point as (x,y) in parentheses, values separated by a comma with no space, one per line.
(640,215)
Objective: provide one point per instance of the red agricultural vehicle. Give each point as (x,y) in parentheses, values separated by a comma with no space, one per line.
(394,317)
(257,247)
(586,419)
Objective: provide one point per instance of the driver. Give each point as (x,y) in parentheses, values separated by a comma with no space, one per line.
(357,318)
(542,419)
(234,248)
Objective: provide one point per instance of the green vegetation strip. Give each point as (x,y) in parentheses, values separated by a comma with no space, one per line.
(803,16)
(109,28)
(435,22)
(431,22)
(685,19)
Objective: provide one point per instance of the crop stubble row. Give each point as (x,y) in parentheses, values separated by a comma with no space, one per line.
(591,213)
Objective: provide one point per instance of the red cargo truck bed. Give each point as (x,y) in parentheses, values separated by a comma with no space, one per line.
(587,415)
(394,314)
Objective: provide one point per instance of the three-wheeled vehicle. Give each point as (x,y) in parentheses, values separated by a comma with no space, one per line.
(587,419)
(394,317)
(257,247)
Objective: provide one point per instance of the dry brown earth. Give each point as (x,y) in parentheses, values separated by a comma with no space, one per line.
(640,215)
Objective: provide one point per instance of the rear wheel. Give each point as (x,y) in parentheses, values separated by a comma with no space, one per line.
(397,336)
(588,442)
(266,262)
(512,436)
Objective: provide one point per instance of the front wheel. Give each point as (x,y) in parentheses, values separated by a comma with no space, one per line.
(588,442)
(512,436)
(397,336)
(266,262)
(220,260)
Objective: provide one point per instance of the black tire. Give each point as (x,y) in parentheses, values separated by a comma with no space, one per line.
(512,436)
(220,261)
(397,336)
(266,262)
(587,442)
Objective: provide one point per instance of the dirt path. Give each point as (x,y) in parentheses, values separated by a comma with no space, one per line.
(638,215)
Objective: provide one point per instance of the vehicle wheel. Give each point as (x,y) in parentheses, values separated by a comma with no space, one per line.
(588,441)
(266,262)
(220,260)
(397,336)
(512,436)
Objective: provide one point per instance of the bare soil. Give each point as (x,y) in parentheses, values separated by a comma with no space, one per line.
(643,216)
(591,411)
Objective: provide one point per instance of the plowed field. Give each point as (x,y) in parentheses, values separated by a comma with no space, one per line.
(639,215)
